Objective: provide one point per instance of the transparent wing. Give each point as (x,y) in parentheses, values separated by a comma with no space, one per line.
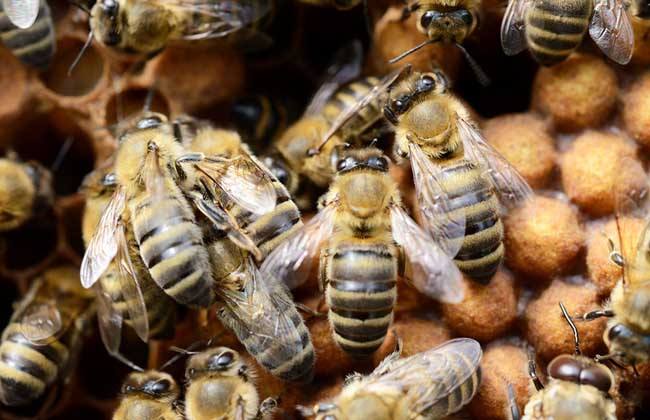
(130,289)
(244,181)
(430,376)
(22,13)
(218,18)
(110,321)
(611,30)
(445,223)
(41,322)
(153,177)
(345,67)
(434,272)
(103,246)
(379,93)
(511,187)
(260,318)
(513,27)
(291,261)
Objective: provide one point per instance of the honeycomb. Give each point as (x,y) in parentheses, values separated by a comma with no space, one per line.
(40,112)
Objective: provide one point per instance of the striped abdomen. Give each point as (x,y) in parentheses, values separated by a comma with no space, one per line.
(346,97)
(26,369)
(361,293)
(554,29)
(461,395)
(172,248)
(35,45)
(470,193)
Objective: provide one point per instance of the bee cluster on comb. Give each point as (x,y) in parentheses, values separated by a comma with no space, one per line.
(328,209)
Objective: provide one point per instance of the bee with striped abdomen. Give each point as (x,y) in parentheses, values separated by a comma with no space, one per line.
(146,27)
(363,236)
(40,345)
(118,298)
(150,395)
(221,385)
(260,118)
(25,191)
(553,29)
(577,389)
(426,386)
(27,29)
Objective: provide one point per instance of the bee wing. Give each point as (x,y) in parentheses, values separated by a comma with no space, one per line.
(130,289)
(432,375)
(41,323)
(445,223)
(345,67)
(611,30)
(510,185)
(513,27)
(434,273)
(218,18)
(291,261)
(102,248)
(244,181)
(110,320)
(378,93)
(258,316)
(22,13)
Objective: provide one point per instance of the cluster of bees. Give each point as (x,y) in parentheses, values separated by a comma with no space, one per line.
(185,215)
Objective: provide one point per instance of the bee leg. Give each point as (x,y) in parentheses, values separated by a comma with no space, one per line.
(532,372)
(408,9)
(612,359)
(512,403)
(590,316)
(309,311)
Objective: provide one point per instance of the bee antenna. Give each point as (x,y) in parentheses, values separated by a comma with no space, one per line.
(62,154)
(148,99)
(482,78)
(89,41)
(576,336)
(373,143)
(411,51)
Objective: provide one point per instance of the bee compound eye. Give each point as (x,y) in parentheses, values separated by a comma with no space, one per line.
(465,16)
(222,360)
(425,83)
(161,386)
(149,122)
(617,331)
(598,377)
(428,17)
(565,368)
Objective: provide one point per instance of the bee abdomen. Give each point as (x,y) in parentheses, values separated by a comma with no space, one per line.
(33,46)
(26,370)
(346,97)
(459,396)
(481,252)
(171,246)
(554,30)
(361,293)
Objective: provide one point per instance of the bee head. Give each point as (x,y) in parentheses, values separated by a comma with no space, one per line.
(582,371)
(106,22)
(281,171)
(622,339)
(451,26)
(367,158)
(153,384)
(417,88)
(221,361)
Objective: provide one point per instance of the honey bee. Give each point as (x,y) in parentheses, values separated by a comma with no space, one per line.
(364,237)
(428,385)
(27,29)
(260,118)
(221,385)
(577,389)
(298,152)
(460,180)
(146,27)
(40,345)
(150,395)
(25,191)
(118,299)
(552,30)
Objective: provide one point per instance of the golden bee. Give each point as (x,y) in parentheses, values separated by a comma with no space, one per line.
(428,385)
(146,27)
(552,30)
(39,347)
(150,395)
(25,191)
(260,118)
(27,29)
(460,180)
(221,385)
(577,389)
(363,237)
(144,306)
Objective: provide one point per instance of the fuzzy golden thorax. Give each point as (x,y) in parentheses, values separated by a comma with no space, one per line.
(628,333)
(17,194)
(449,21)
(563,400)
(148,395)
(218,142)
(357,403)
(134,26)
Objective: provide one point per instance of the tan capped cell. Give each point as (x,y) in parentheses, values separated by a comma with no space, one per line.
(636,110)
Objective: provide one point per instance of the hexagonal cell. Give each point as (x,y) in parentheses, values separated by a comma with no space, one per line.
(8,295)
(57,142)
(30,245)
(84,77)
(130,102)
